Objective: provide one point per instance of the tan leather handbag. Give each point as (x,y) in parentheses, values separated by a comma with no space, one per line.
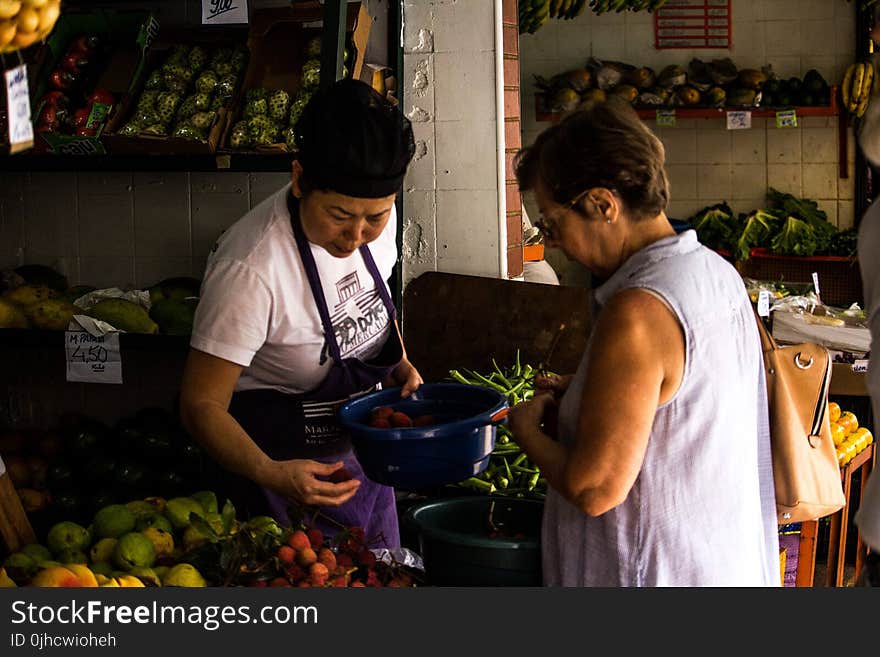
(805,469)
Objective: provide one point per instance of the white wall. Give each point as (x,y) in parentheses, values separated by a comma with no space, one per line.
(123,229)
(451,197)
(707,163)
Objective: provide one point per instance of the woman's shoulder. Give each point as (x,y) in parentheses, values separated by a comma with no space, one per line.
(252,237)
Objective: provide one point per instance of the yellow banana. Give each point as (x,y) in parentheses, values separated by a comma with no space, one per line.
(865,92)
(858,77)
(846,86)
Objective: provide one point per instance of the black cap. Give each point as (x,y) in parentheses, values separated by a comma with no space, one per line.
(352,141)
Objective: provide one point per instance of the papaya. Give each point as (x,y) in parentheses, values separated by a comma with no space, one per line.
(750,78)
(123,315)
(12,315)
(27,294)
(51,314)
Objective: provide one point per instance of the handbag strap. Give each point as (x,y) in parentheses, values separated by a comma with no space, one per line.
(768,343)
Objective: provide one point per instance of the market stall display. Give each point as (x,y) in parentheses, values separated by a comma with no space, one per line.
(25,22)
(193,541)
(714,84)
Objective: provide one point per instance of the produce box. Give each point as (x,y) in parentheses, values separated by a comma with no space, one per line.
(91,61)
(182,99)
(283,45)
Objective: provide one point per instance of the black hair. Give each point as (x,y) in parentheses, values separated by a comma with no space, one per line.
(351,140)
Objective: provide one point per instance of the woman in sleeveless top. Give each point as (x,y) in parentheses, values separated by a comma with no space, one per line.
(660,473)
(295,317)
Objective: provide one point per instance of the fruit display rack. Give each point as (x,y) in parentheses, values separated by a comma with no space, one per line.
(650,113)
(334,18)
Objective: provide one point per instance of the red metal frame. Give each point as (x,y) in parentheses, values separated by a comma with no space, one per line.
(702,24)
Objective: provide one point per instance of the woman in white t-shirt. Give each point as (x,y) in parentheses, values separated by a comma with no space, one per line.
(295,317)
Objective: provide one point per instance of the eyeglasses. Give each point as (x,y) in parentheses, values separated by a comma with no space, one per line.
(547,226)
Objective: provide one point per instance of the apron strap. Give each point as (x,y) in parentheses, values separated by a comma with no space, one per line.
(308,261)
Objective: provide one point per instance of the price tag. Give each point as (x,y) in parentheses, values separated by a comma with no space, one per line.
(18,104)
(666,118)
(92,359)
(739,120)
(2,467)
(786,119)
(816,284)
(764,303)
(224,12)
(860,365)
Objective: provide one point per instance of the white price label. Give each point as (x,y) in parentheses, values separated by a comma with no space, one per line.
(93,359)
(816,284)
(764,303)
(18,104)
(739,120)
(224,12)
(860,365)
(2,467)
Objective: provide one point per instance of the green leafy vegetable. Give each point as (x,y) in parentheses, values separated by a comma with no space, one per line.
(795,238)
(757,230)
(844,243)
(716,226)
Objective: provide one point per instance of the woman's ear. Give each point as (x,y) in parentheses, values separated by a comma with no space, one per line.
(605,202)
(295,179)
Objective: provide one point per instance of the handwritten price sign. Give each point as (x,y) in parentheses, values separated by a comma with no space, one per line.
(92,359)
(18,103)
(219,12)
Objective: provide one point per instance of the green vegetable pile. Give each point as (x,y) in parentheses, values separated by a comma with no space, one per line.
(510,473)
(790,226)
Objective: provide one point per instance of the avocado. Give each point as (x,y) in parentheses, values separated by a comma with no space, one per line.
(174,316)
(42,275)
(768,99)
(100,468)
(179,287)
(771,86)
(60,477)
(793,85)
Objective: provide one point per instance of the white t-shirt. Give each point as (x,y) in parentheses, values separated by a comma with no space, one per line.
(257,310)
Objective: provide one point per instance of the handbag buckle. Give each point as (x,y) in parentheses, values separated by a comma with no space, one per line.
(801,364)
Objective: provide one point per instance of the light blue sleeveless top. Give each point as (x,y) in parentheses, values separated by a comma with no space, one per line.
(702,511)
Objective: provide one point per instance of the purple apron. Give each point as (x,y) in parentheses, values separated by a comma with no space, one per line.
(304,426)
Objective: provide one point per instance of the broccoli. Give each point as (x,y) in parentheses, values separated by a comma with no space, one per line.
(758,228)
(715,225)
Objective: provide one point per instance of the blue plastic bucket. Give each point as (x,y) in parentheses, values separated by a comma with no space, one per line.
(455,447)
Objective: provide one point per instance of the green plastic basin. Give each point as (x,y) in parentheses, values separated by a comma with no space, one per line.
(455,540)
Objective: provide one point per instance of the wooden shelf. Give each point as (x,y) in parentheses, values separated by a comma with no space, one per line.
(44,339)
(217,162)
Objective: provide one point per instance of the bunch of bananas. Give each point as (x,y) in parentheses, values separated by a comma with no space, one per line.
(604,6)
(855,92)
(534,13)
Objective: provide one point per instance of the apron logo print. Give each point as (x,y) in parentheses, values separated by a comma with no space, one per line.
(347,287)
